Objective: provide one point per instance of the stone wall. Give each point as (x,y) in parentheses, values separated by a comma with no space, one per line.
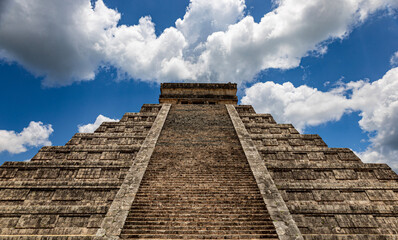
(330,192)
(198,93)
(199,182)
(67,190)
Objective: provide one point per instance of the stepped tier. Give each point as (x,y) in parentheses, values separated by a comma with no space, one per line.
(206,170)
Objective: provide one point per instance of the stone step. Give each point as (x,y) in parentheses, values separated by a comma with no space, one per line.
(199,223)
(184,226)
(198,184)
(196,231)
(198,217)
(201,236)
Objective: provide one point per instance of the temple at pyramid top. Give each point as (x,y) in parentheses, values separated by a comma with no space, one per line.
(198,93)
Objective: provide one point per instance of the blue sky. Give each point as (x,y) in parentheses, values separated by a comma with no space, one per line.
(328,67)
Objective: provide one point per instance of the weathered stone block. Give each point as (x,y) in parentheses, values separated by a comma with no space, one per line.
(316,156)
(45,173)
(68,194)
(327,195)
(13,194)
(88,173)
(8,172)
(356,221)
(37,221)
(345,174)
(381,195)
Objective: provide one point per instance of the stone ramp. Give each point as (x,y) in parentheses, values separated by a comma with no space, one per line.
(198,183)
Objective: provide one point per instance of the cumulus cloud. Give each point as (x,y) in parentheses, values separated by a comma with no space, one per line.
(303,106)
(36,134)
(205,17)
(214,41)
(91,127)
(59,40)
(376,102)
(394,59)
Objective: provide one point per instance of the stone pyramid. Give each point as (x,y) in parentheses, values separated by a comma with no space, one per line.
(197,166)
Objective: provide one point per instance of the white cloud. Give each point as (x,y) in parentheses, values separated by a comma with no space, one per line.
(36,134)
(91,127)
(378,103)
(394,59)
(205,17)
(56,39)
(214,41)
(304,106)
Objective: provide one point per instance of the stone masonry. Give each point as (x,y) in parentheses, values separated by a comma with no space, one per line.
(197,166)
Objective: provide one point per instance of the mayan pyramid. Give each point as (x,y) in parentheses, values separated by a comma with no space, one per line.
(197,166)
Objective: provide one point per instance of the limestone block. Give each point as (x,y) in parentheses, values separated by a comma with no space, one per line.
(98,141)
(67,173)
(366,174)
(292,130)
(45,173)
(40,194)
(285,156)
(60,155)
(331,156)
(110,173)
(381,195)
(274,130)
(110,155)
(72,221)
(327,195)
(42,155)
(321,221)
(385,174)
(270,142)
(8,222)
(390,223)
(325,174)
(268,156)
(13,194)
(281,174)
(356,221)
(37,221)
(320,142)
(77,156)
(89,173)
(316,156)
(73,141)
(301,156)
(26,173)
(348,156)
(8,172)
(68,194)
(356,196)
(304,174)
(345,174)
(94,156)
(299,196)
(296,142)
(120,128)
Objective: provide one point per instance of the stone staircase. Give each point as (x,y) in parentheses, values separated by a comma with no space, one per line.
(198,184)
